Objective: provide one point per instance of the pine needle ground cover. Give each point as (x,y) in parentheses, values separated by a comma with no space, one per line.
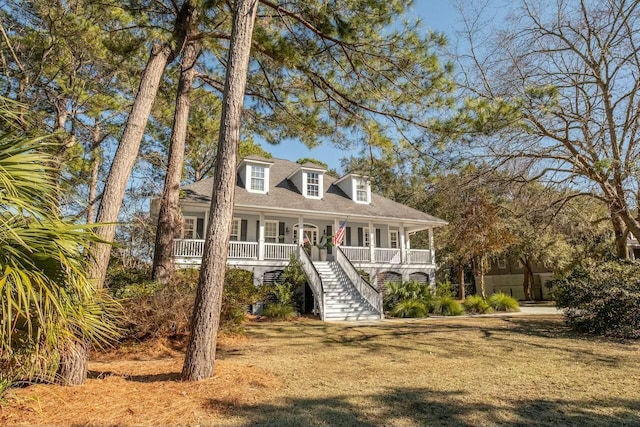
(513,370)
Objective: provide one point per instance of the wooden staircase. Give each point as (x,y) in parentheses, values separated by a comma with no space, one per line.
(343,302)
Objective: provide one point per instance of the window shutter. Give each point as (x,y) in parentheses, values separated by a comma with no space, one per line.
(281,232)
(377,243)
(257,230)
(348,236)
(329,236)
(360,237)
(200,228)
(243,230)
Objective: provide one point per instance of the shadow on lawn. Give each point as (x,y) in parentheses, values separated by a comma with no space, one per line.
(425,407)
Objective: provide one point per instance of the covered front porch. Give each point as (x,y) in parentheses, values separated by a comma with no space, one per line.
(274,237)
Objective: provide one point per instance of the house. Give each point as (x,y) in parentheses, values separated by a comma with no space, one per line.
(280,205)
(507,276)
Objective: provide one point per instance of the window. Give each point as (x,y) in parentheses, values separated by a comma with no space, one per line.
(393,239)
(271,231)
(362,193)
(313,184)
(189,227)
(257,178)
(235,230)
(365,236)
(502,263)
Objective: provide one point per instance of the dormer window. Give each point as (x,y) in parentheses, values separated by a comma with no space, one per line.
(257,178)
(356,187)
(362,191)
(313,184)
(253,173)
(309,180)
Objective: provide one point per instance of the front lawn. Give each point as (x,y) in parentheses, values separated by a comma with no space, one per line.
(510,371)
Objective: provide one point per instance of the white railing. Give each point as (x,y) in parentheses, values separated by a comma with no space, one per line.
(419,256)
(192,248)
(188,248)
(245,250)
(356,253)
(364,288)
(278,250)
(313,278)
(390,256)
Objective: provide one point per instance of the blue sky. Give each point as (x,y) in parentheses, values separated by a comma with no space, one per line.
(438,15)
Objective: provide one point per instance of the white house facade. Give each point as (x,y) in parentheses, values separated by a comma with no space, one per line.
(280,205)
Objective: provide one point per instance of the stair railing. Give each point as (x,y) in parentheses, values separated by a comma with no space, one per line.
(365,288)
(314,279)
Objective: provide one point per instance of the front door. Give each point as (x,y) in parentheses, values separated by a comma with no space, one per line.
(310,232)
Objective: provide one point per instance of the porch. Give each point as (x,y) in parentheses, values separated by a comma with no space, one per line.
(189,252)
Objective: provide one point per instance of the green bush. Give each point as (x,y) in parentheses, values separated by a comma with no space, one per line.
(474,304)
(446,306)
(602,299)
(503,302)
(279,311)
(444,289)
(410,308)
(153,310)
(396,292)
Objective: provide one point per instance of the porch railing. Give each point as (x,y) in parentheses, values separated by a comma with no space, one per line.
(357,253)
(278,250)
(246,250)
(314,280)
(194,248)
(419,256)
(365,288)
(188,248)
(390,256)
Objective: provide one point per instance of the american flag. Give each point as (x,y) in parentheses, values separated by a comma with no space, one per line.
(337,238)
(305,239)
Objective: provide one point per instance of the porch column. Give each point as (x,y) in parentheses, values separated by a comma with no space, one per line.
(261,237)
(206,223)
(372,243)
(335,226)
(403,247)
(432,249)
(300,231)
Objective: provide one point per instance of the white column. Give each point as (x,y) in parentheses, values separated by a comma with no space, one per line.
(300,230)
(403,245)
(372,243)
(206,222)
(261,237)
(336,224)
(432,248)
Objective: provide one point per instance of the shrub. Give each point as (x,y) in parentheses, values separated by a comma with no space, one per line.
(446,306)
(279,311)
(602,299)
(396,292)
(444,289)
(474,304)
(410,308)
(503,302)
(154,310)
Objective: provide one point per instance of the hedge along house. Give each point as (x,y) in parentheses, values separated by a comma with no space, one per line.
(280,206)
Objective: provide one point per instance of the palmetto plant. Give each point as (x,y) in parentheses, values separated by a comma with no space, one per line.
(46,299)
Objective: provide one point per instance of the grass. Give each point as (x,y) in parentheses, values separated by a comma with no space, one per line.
(514,370)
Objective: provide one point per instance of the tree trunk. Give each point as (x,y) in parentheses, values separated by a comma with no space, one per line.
(461,292)
(481,270)
(127,151)
(201,350)
(169,214)
(527,283)
(73,363)
(95,170)
(620,233)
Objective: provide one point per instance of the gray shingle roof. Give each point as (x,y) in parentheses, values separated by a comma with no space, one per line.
(283,194)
